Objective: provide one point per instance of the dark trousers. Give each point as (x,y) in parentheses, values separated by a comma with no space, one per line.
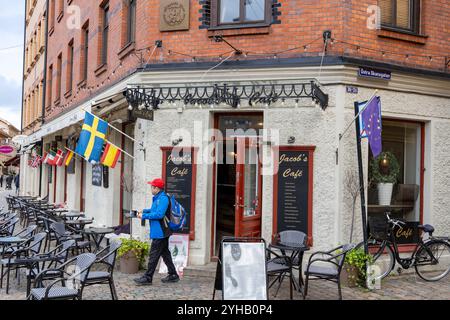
(160,248)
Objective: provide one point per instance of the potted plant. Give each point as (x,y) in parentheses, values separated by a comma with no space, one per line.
(132,254)
(385,170)
(354,271)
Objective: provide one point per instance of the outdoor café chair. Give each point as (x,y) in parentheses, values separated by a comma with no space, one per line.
(62,233)
(108,260)
(14,260)
(55,257)
(26,233)
(279,266)
(327,265)
(8,229)
(52,291)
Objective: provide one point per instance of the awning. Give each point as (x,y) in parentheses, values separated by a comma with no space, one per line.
(13,161)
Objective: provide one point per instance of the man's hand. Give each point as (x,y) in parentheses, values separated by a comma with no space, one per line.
(139,214)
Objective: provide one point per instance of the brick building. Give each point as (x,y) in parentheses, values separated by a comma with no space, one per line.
(33,88)
(114,58)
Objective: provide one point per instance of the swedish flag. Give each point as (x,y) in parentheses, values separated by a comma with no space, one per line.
(92,138)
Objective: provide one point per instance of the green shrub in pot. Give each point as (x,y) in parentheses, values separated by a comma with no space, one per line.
(136,248)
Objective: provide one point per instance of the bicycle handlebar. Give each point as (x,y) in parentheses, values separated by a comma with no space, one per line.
(395,222)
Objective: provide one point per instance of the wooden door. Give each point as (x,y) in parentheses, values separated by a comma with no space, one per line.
(248,189)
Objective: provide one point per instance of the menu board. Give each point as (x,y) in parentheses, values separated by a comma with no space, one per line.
(293,194)
(179,178)
(97,174)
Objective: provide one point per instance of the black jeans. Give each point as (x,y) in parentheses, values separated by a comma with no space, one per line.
(160,248)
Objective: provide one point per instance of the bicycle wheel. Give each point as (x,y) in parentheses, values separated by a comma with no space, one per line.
(436,267)
(382,255)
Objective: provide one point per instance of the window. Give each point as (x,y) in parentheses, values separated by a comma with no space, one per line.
(50,85)
(404,140)
(240,12)
(131,21)
(105,32)
(52,16)
(84,52)
(401,14)
(58,77)
(69,81)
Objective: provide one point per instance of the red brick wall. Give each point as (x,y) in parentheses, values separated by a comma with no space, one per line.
(302,22)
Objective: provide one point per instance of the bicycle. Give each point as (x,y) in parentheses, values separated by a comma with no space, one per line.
(430,258)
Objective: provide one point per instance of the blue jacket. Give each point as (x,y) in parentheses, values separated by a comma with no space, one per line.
(156,216)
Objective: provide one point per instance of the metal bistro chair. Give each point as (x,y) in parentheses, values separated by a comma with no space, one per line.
(105,277)
(55,257)
(327,267)
(62,234)
(26,233)
(8,229)
(15,259)
(83,264)
(279,266)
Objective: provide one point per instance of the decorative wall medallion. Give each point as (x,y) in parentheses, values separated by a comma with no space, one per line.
(174,15)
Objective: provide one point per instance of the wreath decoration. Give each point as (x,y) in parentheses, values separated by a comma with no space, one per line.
(393,169)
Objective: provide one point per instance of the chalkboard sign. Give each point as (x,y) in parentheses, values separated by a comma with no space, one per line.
(293,190)
(97,174)
(179,172)
(105,177)
(50,172)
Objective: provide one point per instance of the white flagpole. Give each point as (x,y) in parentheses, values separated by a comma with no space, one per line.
(134,140)
(120,149)
(359,113)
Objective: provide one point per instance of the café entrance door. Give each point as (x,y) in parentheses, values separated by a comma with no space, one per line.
(238,188)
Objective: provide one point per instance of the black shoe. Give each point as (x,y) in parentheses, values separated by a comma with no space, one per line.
(171,278)
(143,281)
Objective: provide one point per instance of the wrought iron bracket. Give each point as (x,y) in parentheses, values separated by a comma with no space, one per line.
(139,96)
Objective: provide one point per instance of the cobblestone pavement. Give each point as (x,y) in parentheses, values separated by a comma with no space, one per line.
(403,287)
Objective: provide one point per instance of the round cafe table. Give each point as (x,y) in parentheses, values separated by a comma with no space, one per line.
(79,224)
(97,235)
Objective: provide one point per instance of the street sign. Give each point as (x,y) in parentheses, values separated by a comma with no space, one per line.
(374,73)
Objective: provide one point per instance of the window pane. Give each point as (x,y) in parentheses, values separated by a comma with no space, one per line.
(229,11)
(386,11)
(254,10)
(403,140)
(403,14)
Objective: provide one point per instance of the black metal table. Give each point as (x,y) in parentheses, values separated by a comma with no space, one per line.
(79,224)
(97,234)
(297,251)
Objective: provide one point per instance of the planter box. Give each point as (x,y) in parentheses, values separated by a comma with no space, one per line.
(349,276)
(129,264)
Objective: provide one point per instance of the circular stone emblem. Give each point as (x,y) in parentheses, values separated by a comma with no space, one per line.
(174,14)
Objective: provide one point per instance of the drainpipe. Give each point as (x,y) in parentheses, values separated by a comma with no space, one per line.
(44,90)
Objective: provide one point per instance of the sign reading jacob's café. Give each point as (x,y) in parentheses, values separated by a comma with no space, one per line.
(293,184)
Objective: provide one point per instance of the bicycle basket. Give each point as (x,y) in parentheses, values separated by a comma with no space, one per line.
(378,227)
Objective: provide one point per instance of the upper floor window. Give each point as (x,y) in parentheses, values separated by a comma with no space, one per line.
(105,31)
(401,14)
(240,12)
(131,22)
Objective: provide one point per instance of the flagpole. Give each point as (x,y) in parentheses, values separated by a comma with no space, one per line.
(359,113)
(134,140)
(76,154)
(120,149)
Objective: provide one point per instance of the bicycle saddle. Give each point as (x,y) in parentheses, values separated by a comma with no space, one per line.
(427,228)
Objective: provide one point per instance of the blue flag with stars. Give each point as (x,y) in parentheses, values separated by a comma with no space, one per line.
(371,119)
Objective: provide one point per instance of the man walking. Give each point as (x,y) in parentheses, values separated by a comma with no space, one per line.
(17,182)
(159,233)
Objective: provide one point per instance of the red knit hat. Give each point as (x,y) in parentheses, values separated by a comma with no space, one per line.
(159,183)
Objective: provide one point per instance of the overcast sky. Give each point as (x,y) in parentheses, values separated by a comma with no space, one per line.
(11,35)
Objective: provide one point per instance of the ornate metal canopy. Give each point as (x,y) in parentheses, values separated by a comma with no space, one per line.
(230,94)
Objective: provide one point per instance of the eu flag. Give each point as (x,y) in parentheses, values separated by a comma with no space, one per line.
(371,119)
(92,138)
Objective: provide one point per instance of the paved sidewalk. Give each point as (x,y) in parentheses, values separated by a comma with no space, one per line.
(403,287)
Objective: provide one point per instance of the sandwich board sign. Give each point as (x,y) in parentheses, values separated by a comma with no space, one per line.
(244,275)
